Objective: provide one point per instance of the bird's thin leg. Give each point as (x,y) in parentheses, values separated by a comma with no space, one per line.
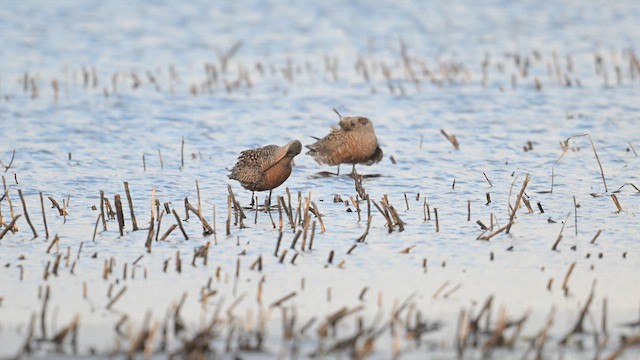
(353,169)
(338,172)
(252,201)
(269,201)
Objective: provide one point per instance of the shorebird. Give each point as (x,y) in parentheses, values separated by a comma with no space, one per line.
(265,168)
(354,142)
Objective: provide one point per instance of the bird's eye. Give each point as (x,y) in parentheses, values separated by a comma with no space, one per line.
(363,120)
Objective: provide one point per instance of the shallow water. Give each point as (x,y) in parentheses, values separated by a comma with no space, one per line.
(279,86)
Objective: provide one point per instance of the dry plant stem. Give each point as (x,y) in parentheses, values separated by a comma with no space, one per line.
(283,299)
(133,215)
(10,226)
(44,216)
(488,237)
(6,195)
(489,181)
(117,297)
(593,146)
(95,229)
(595,237)
(208,230)
(616,202)
(578,328)
(564,152)
(565,282)
(26,214)
(102,204)
(152,222)
(452,139)
(175,214)
(517,205)
(43,313)
(13,156)
(159,223)
(555,245)
(169,230)
(119,214)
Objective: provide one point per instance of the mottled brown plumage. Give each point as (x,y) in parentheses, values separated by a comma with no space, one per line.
(354,142)
(265,168)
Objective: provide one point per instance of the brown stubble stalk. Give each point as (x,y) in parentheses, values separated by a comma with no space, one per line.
(184,233)
(517,205)
(26,214)
(119,214)
(44,216)
(152,221)
(565,149)
(130,201)
(452,139)
(102,205)
(616,202)
(559,238)
(11,226)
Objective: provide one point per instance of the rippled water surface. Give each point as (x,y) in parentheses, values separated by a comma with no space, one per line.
(164,95)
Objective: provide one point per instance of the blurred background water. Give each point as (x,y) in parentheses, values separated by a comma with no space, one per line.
(134,80)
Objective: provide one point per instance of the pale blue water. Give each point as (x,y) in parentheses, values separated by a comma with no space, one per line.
(279,86)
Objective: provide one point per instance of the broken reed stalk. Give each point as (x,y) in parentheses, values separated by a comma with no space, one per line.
(169,230)
(616,202)
(319,216)
(133,215)
(152,221)
(95,229)
(565,287)
(118,204)
(452,139)
(175,214)
(44,216)
(110,213)
(593,146)
(102,204)
(593,241)
(160,216)
(488,237)
(26,214)
(517,205)
(199,199)
(385,215)
(489,181)
(275,253)
(207,229)
(555,245)
(578,328)
(283,299)
(287,211)
(366,232)
(55,204)
(65,204)
(10,226)
(117,297)
(564,152)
